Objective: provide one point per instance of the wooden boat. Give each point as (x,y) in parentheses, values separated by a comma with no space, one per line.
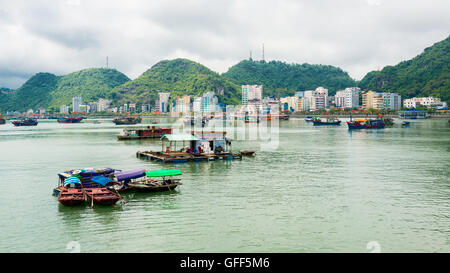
(70,119)
(2,121)
(331,121)
(71,194)
(405,123)
(127,120)
(25,122)
(142,133)
(365,124)
(309,119)
(150,184)
(85,175)
(246,152)
(102,196)
(124,178)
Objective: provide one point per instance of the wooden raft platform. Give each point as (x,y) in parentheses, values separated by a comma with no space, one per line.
(179,157)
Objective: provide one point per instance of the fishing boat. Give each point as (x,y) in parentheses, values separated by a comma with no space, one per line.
(70,119)
(142,133)
(309,119)
(124,178)
(85,176)
(405,123)
(127,120)
(155,181)
(72,193)
(102,196)
(365,124)
(25,122)
(328,121)
(246,152)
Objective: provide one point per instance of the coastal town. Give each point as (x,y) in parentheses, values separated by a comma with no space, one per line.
(253,102)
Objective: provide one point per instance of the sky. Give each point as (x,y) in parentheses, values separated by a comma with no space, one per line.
(63,36)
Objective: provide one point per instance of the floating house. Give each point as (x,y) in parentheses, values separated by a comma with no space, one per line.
(194,146)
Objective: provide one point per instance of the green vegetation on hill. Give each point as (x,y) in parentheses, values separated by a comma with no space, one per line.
(179,77)
(283,79)
(428,74)
(45,90)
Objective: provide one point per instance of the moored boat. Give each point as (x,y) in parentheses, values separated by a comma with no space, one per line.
(328,121)
(25,122)
(405,123)
(72,193)
(142,133)
(309,119)
(365,124)
(246,152)
(70,119)
(102,196)
(127,120)
(155,181)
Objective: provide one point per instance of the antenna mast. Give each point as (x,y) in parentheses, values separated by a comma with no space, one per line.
(107,65)
(263,51)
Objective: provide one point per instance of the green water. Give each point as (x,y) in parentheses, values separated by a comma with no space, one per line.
(324,189)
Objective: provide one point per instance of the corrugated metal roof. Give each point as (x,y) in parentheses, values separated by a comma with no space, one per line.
(180,137)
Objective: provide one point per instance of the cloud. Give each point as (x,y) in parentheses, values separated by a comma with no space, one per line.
(357,35)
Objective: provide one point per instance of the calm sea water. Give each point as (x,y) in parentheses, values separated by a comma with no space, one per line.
(324,189)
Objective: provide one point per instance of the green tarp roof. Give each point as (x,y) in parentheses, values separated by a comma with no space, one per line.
(179,137)
(161,173)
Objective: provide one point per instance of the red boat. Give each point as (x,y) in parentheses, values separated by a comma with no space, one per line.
(72,197)
(102,196)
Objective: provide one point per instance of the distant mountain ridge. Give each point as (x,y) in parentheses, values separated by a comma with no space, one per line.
(45,90)
(282,79)
(427,74)
(179,77)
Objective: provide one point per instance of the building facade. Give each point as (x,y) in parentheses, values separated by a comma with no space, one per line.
(76,102)
(252,94)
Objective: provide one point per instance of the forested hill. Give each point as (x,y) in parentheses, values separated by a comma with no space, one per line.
(282,79)
(427,74)
(179,77)
(48,90)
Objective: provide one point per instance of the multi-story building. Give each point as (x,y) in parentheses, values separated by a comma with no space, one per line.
(197,105)
(125,108)
(424,101)
(132,107)
(103,105)
(209,102)
(289,103)
(372,100)
(252,94)
(64,109)
(163,102)
(347,98)
(76,102)
(391,101)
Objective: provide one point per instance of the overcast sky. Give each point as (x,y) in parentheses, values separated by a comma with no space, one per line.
(62,36)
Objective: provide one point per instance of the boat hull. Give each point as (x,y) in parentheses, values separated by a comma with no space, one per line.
(102,196)
(317,123)
(149,188)
(354,125)
(70,120)
(72,197)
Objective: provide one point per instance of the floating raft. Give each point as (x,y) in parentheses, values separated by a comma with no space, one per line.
(178,157)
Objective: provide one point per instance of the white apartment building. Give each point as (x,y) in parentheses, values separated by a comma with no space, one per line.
(252,94)
(64,109)
(76,102)
(197,105)
(424,101)
(103,105)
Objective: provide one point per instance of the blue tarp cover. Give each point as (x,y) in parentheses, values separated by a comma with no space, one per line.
(101,180)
